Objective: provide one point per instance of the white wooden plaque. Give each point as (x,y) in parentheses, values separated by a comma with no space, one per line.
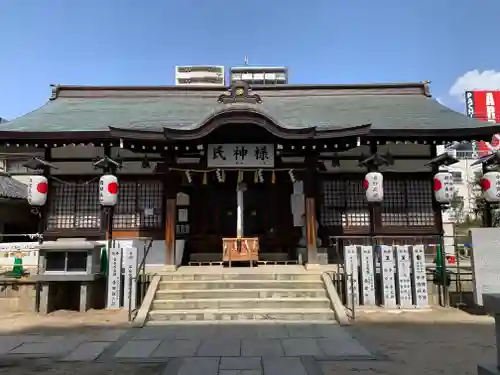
(130,282)
(351,273)
(367,276)
(387,276)
(114,278)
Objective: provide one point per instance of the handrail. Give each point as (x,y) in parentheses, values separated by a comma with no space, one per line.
(141,267)
(146,252)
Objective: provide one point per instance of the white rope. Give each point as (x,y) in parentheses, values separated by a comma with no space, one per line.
(75,183)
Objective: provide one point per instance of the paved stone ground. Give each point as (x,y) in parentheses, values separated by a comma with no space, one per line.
(438,342)
(224,349)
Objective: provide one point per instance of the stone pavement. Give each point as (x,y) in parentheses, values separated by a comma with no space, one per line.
(436,342)
(224,349)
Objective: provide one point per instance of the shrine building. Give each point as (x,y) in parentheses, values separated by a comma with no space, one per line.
(283,164)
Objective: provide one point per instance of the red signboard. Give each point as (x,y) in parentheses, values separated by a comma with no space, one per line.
(483,105)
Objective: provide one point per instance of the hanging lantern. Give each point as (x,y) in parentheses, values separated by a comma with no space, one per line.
(490,184)
(38,187)
(443,187)
(374,186)
(108,190)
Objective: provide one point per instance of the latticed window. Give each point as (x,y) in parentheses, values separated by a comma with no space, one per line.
(74,205)
(407,203)
(140,205)
(344,204)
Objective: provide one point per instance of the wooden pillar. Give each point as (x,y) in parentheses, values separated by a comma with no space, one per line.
(40,294)
(170,207)
(487,217)
(438,214)
(107,212)
(375,209)
(310,211)
(440,229)
(170,214)
(44,211)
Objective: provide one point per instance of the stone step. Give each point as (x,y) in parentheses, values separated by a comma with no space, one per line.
(239,293)
(240,276)
(234,303)
(289,322)
(241,284)
(281,314)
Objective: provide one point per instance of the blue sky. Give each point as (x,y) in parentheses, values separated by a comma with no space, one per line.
(125,42)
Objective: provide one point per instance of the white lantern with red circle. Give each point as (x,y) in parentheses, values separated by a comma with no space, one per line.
(490,184)
(108,190)
(444,188)
(374,186)
(38,187)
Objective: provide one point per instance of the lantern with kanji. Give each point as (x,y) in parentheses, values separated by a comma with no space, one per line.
(38,187)
(490,184)
(443,187)
(374,186)
(108,190)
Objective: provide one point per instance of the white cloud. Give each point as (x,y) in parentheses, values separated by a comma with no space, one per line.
(475,80)
(440,100)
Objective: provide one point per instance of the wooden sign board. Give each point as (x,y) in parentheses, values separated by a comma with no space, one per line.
(248,251)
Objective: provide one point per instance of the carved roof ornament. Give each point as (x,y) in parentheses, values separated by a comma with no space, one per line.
(239,92)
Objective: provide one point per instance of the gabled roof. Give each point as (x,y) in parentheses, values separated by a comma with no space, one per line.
(385,108)
(10,188)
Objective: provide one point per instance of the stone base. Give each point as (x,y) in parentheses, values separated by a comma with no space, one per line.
(313,267)
(322,256)
(488,369)
(169,268)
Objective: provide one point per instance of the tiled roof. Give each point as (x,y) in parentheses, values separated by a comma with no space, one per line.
(392,106)
(10,188)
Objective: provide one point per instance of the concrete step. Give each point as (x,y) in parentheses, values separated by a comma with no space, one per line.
(241,284)
(9,304)
(239,293)
(239,276)
(280,314)
(234,303)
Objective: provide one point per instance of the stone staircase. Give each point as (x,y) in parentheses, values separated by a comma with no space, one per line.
(240,296)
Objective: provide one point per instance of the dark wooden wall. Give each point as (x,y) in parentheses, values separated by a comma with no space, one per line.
(342,209)
(407,209)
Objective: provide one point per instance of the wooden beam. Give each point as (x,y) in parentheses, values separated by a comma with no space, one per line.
(170,187)
(44,211)
(311,230)
(310,210)
(170,212)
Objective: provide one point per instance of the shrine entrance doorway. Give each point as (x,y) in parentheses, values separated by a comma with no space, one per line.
(266,212)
